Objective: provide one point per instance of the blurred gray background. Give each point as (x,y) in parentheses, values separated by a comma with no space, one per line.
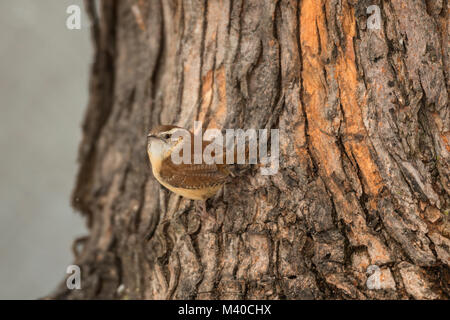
(44,72)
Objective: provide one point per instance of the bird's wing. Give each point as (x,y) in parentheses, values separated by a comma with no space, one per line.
(193,176)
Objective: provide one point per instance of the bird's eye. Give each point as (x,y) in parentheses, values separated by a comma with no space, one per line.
(166,136)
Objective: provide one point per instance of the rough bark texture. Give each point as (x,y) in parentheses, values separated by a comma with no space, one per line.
(364,137)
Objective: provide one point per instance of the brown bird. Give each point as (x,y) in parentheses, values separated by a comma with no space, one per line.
(192,181)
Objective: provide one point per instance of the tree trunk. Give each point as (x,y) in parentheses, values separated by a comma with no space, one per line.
(360,206)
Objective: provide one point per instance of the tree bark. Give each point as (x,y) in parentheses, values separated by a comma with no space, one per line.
(364,151)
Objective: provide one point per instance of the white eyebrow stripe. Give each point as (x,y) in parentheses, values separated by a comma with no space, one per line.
(172,131)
